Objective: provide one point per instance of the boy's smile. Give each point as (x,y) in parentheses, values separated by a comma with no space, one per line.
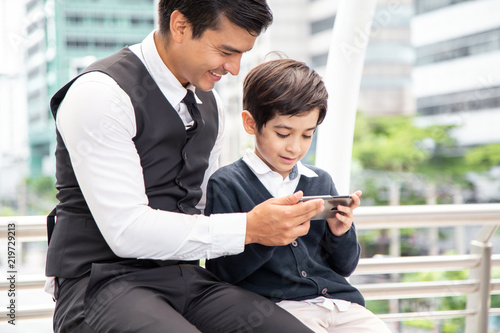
(284,140)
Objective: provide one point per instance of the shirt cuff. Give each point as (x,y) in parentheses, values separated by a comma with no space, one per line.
(50,285)
(229,231)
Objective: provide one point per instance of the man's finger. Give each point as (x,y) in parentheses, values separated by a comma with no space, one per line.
(289,199)
(305,210)
(303,228)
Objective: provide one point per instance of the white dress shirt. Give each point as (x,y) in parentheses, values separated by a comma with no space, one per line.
(278,187)
(97,123)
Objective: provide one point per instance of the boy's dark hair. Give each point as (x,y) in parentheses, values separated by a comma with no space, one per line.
(252,15)
(283,87)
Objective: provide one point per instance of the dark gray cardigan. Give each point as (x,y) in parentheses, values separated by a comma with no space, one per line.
(315,265)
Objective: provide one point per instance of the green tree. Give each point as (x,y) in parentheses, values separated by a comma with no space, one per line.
(483,158)
(394,144)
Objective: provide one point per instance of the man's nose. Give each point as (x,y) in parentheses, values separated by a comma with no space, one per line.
(233,65)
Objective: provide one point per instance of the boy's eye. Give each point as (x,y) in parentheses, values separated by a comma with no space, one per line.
(282,135)
(307,136)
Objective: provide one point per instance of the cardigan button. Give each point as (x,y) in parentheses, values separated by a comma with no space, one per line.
(324,291)
(185,156)
(304,274)
(295,244)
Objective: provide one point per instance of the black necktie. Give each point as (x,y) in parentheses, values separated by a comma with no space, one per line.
(192,106)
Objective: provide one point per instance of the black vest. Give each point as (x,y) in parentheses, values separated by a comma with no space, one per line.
(173,161)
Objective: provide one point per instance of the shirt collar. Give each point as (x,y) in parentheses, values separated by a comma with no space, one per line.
(260,168)
(163,77)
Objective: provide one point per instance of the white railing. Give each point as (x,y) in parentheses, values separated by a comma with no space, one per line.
(26,229)
(478,287)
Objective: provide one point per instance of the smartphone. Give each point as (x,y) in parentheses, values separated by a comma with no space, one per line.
(331,203)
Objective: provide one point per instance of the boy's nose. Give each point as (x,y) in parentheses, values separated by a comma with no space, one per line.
(293,147)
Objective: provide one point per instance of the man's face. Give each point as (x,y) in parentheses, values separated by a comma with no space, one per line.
(203,61)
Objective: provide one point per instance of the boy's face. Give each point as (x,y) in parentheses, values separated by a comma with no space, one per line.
(284,140)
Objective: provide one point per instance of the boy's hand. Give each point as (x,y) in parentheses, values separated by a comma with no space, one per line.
(343,222)
(279,221)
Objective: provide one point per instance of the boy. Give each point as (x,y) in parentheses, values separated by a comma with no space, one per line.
(284,102)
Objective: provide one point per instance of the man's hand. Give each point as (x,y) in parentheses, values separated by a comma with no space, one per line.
(343,222)
(279,221)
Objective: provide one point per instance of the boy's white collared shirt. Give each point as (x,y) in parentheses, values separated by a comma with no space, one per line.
(272,180)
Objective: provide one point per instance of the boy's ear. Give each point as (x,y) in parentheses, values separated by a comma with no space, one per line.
(248,122)
(178,25)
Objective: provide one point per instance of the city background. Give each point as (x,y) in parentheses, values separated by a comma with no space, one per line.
(427,126)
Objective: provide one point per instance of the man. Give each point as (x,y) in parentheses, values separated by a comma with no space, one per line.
(135,149)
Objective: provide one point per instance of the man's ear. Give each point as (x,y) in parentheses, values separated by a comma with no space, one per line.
(248,122)
(178,26)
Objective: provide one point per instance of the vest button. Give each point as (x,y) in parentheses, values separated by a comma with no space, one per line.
(185,156)
(295,244)
(303,273)
(324,291)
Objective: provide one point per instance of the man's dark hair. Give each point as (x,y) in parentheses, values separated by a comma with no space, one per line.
(252,15)
(283,87)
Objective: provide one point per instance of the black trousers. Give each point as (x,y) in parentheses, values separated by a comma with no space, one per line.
(179,298)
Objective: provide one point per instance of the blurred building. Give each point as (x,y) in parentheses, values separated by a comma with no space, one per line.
(63,38)
(13,132)
(386,81)
(457,74)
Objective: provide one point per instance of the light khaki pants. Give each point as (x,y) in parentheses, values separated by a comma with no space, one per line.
(357,319)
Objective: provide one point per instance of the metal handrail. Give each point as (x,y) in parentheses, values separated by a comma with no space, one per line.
(42,311)
(414,216)
(400,290)
(432,315)
(25,282)
(28,228)
(386,265)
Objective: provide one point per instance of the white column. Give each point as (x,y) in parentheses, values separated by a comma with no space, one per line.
(342,78)
(156,12)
